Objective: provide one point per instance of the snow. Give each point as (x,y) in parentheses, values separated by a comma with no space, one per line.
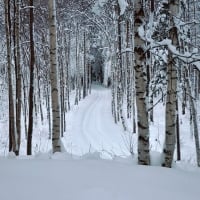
(97,6)
(82,173)
(91,131)
(123,4)
(197,64)
(83,179)
(91,127)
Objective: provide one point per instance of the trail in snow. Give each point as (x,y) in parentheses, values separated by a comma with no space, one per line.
(92,128)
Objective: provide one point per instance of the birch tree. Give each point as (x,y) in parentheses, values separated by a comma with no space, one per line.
(12,130)
(140,85)
(54,78)
(31,90)
(194,118)
(170,124)
(16,39)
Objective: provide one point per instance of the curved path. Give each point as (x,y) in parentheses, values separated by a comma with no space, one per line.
(92,128)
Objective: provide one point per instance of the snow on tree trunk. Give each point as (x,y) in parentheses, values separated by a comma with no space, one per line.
(170,123)
(54,78)
(140,84)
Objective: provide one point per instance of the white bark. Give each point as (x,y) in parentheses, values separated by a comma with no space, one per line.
(170,124)
(54,78)
(140,84)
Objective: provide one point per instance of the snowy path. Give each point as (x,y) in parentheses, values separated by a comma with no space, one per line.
(92,128)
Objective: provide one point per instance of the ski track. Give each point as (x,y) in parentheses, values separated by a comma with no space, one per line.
(92,127)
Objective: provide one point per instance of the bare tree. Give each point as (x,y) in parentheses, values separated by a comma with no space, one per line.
(16,39)
(12,130)
(170,124)
(31,90)
(194,118)
(140,85)
(54,78)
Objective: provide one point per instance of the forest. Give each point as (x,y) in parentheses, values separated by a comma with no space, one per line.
(54,53)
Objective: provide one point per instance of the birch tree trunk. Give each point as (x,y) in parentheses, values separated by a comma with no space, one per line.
(195,122)
(178,143)
(120,85)
(77,66)
(84,67)
(12,134)
(18,74)
(56,143)
(31,90)
(170,118)
(140,84)
(68,75)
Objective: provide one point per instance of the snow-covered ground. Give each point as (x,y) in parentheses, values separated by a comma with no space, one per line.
(82,173)
(90,127)
(63,178)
